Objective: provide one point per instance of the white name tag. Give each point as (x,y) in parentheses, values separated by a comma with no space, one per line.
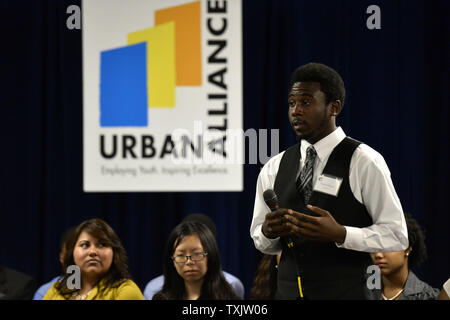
(328,184)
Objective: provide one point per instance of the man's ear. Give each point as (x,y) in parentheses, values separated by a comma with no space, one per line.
(335,108)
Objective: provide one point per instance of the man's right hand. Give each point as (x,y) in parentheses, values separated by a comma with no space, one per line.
(274,225)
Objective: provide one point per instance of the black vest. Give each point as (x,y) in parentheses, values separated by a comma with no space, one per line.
(327,272)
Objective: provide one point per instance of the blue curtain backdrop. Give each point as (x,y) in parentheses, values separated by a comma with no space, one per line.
(397,82)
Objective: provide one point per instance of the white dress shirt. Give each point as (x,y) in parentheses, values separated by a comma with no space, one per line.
(371,184)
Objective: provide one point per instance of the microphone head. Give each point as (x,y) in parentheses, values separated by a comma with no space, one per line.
(271,199)
(269,194)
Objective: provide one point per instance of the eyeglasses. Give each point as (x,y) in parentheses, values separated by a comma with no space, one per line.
(194,257)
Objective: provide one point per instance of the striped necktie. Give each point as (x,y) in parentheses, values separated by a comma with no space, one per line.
(304,181)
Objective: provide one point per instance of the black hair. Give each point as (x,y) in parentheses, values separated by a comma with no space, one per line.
(331,83)
(416,239)
(207,221)
(65,237)
(214,287)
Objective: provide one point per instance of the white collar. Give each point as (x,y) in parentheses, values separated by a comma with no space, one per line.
(325,145)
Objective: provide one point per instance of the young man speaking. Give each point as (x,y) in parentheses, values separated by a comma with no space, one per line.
(335,198)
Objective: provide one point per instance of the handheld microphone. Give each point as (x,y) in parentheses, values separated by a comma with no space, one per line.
(271,199)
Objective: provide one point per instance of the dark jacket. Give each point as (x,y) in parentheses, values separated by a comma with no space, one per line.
(15,285)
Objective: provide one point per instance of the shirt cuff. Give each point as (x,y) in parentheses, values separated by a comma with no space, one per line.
(352,238)
(267,245)
(446,287)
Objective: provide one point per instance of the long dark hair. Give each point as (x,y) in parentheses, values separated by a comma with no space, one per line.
(265,282)
(118,272)
(214,287)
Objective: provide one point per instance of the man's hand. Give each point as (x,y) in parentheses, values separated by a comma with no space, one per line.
(275,224)
(322,228)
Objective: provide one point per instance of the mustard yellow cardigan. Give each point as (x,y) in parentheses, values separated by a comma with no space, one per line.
(126,291)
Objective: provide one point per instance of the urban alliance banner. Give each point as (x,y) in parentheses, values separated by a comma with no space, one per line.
(162,95)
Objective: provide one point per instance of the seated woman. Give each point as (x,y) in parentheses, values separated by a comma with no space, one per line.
(155,285)
(191,267)
(96,250)
(398,281)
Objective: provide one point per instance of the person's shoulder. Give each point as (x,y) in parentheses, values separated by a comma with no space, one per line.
(275,158)
(416,289)
(235,283)
(20,286)
(229,277)
(14,275)
(153,286)
(159,280)
(128,283)
(271,166)
(128,290)
(42,290)
(369,153)
(366,156)
(52,293)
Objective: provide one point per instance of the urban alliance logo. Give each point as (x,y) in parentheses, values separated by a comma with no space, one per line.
(145,73)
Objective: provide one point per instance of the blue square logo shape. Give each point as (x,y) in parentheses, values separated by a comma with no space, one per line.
(123,86)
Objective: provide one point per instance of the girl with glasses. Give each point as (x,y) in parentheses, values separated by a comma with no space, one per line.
(192,268)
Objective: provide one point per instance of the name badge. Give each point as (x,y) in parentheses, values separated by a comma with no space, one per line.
(328,184)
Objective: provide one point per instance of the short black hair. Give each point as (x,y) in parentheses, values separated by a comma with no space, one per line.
(416,239)
(203,218)
(331,83)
